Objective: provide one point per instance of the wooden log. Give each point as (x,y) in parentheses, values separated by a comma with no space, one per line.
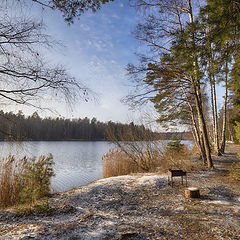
(192,192)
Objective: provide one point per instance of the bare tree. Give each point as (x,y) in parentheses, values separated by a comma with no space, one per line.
(24,74)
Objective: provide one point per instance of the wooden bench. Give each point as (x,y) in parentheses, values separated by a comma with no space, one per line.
(176,173)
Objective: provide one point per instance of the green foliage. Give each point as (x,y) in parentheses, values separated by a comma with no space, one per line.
(235,171)
(224,16)
(237,130)
(37,175)
(73,9)
(235,87)
(174,145)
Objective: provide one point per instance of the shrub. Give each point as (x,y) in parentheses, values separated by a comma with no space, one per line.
(37,175)
(116,163)
(237,130)
(195,149)
(175,146)
(147,158)
(177,156)
(235,171)
(24,181)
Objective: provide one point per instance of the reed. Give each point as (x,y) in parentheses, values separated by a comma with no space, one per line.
(11,180)
(119,162)
(116,163)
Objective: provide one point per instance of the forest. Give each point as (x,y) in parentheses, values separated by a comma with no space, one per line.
(34,128)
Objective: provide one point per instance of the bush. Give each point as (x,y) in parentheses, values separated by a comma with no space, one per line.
(175,146)
(135,158)
(25,180)
(237,130)
(37,175)
(235,171)
(177,156)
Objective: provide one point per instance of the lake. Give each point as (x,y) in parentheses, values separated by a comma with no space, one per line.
(76,162)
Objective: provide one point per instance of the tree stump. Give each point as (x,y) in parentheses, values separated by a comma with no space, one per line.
(192,192)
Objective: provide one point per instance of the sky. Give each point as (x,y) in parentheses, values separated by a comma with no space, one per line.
(96,50)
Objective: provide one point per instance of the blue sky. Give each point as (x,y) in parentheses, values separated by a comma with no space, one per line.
(97,49)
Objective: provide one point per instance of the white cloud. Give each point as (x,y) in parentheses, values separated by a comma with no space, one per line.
(115,16)
(84,27)
(89,43)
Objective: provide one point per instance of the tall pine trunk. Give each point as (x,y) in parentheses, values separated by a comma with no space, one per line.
(223,143)
(198,96)
(211,73)
(214,114)
(198,138)
(195,129)
(203,127)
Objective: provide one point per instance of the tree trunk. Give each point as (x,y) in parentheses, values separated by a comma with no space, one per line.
(195,130)
(215,116)
(197,96)
(198,140)
(213,103)
(216,119)
(203,128)
(225,111)
(203,152)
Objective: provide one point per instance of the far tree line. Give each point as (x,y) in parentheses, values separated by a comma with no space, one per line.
(24,128)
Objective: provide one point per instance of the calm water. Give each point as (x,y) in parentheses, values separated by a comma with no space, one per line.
(76,163)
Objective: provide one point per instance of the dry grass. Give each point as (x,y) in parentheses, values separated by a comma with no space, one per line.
(117,162)
(180,159)
(11,181)
(195,149)
(18,228)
